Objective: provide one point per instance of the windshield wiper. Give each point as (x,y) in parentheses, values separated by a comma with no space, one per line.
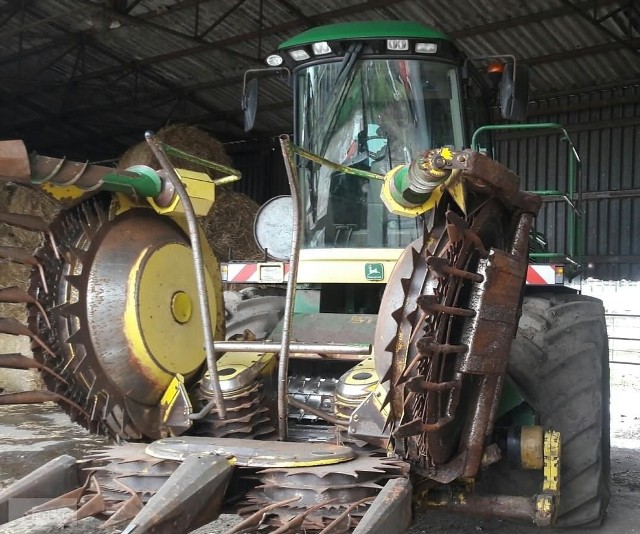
(340,89)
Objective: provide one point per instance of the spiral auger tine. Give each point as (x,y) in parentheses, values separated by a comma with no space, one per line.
(16,295)
(19,361)
(32,223)
(38,397)
(11,326)
(24,257)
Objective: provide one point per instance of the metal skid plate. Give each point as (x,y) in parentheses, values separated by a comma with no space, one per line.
(390,511)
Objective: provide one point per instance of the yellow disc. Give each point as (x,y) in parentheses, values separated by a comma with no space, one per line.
(181,307)
(163,314)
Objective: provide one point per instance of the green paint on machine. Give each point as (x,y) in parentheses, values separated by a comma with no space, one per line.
(374,271)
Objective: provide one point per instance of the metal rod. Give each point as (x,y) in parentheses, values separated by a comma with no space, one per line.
(501,506)
(214,382)
(301,348)
(318,413)
(234,174)
(335,166)
(283,364)
(574,183)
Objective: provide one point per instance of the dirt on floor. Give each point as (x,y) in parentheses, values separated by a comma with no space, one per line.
(30,436)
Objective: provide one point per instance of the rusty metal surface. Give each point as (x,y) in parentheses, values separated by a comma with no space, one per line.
(25,221)
(14,161)
(19,361)
(63,346)
(38,397)
(17,295)
(505,506)
(198,267)
(11,325)
(327,491)
(496,299)
(54,478)
(485,173)
(192,496)
(249,453)
(390,511)
(453,309)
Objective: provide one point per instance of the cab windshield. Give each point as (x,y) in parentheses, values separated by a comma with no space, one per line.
(374,115)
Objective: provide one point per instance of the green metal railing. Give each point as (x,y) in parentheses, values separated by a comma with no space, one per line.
(572,196)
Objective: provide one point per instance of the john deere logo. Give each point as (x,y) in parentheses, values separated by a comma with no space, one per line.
(374,271)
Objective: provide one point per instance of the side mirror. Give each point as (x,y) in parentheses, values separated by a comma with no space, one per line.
(514,91)
(250,103)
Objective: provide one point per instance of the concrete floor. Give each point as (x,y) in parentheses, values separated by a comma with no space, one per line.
(30,436)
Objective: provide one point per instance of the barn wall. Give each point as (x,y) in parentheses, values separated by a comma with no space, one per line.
(262,167)
(605,127)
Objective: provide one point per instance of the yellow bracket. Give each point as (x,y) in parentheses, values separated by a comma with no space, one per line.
(546,504)
(551,462)
(173,393)
(201,190)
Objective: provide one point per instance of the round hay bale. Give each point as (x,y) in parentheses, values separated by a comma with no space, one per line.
(229,224)
(185,137)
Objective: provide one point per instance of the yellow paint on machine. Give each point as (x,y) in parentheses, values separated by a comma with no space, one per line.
(344,265)
(171,395)
(163,345)
(201,190)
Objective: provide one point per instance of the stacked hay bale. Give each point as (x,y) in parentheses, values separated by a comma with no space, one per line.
(19,199)
(229,224)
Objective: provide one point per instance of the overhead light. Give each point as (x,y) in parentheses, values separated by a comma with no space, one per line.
(274,60)
(426,48)
(321,48)
(299,54)
(397,45)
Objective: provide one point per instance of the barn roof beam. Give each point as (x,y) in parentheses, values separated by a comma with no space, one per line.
(598,21)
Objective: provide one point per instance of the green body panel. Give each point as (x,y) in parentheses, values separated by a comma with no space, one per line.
(307,301)
(512,403)
(378,29)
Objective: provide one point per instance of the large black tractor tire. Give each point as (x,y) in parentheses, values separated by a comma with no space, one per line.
(253,311)
(560,363)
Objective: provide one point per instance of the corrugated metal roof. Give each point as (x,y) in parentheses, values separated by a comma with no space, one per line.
(87,77)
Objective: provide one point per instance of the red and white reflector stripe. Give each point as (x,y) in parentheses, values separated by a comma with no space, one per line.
(255,273)
(277,272)
(541,275)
